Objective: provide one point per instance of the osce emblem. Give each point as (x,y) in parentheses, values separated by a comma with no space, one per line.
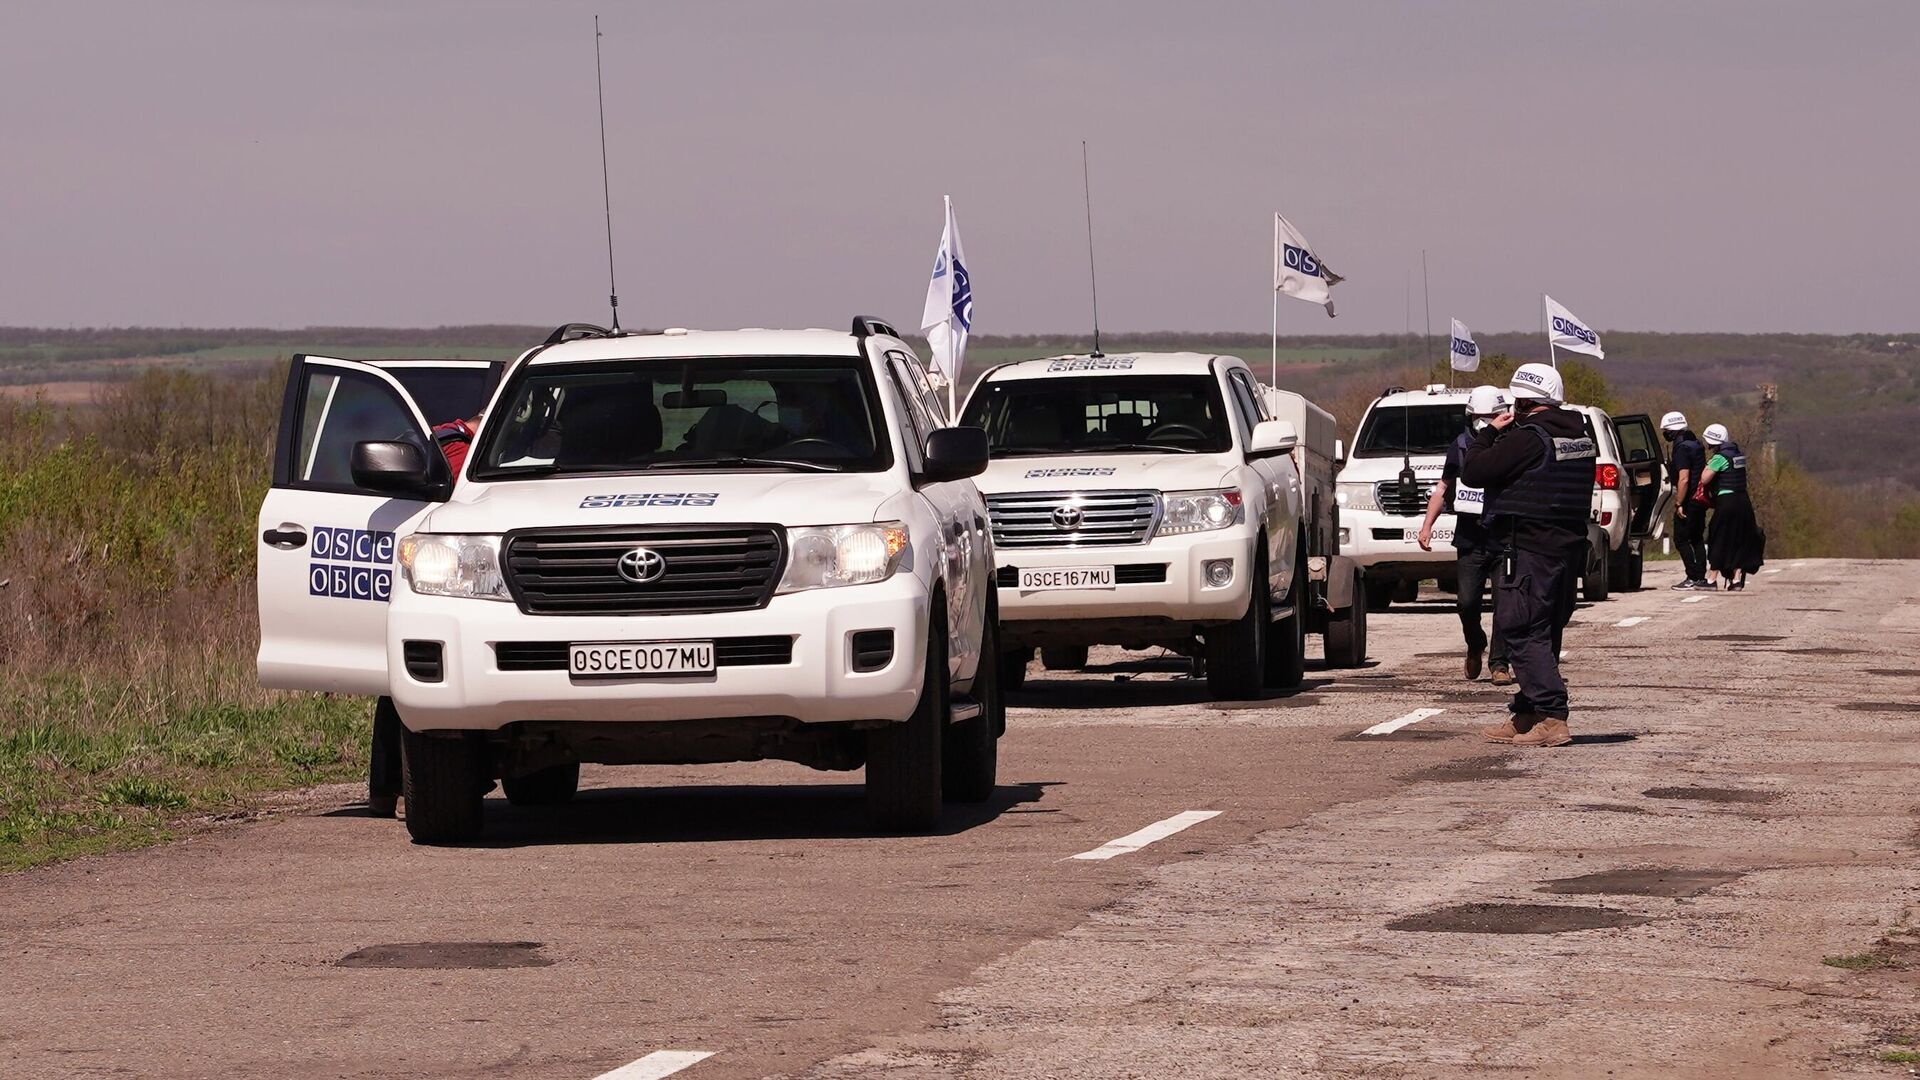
(1574,330)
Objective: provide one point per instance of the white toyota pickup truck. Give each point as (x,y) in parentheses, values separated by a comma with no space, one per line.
(1150,499)
(663,548)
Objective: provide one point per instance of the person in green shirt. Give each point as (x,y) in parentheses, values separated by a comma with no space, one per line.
(1736,547)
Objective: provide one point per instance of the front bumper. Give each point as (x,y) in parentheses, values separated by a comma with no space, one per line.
(1373,538)
(817,685)
(1181,596)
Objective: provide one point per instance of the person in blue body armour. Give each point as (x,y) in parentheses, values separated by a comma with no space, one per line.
(1480,554)
(1735,545)
(1536,465)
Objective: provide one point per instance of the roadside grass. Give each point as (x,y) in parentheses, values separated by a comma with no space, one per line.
(84,767)
(1863,961)
(1900,1057)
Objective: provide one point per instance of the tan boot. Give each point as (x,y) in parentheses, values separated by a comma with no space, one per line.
(1473,664)
(1550,731)
(1503,676)
(1514,726)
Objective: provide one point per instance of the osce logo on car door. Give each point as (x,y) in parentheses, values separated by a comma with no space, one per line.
(351,564)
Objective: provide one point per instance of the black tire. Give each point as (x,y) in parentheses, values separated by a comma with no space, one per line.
(1637,571)
(1593,587)
(903,760)
(1407,592)
(551,786)
(1380,595)
(1013,669)
(1063,657)
(1237,652)
(1286,659)
(444,778)
(1620,570)
(1346,636)
(970,760)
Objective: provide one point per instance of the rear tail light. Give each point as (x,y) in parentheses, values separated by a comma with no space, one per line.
(1607,476)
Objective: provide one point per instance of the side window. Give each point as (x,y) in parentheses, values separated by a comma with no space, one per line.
(339,408)
(919,422)
(921,387)
(1636,440)
(1247,405)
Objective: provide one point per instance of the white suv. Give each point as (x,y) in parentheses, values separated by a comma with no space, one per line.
(1631,496)
(664,548)
(1148,499)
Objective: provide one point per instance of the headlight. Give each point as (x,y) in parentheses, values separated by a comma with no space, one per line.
(1200,511)
(828,556)
(451,565)
(1355,496)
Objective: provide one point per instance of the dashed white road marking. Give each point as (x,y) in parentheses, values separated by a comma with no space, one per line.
(656,1065)
(1632,620)
(1134,841)
(1564,652)
(1388,727)
(1693,599)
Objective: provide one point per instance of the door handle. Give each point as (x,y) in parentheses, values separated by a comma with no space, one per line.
(286,537)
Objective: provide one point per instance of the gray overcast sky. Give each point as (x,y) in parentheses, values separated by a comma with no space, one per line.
(1659,165)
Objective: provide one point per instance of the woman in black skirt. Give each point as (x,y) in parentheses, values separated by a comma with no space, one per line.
(1735,545)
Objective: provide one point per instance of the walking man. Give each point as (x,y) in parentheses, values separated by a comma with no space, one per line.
(1479,554)
(1685,464)
(1536,465)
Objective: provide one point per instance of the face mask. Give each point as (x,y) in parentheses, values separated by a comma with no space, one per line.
(1479,424)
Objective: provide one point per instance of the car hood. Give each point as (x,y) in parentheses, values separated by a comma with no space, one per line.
(783,498)
(1371,470)
(1077,472)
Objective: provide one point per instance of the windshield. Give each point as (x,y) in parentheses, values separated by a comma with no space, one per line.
(1418,429)
(803,413)
(1155,413)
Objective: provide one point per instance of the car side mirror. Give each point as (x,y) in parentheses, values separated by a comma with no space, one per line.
(954,453)
(399,468)
(1273,437)
(1339,452)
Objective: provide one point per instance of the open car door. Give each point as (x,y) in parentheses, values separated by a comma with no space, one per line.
(446,390)
(1641,460)
(326,548)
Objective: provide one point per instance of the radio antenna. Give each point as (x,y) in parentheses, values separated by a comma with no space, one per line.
(606,187)
(1093,281)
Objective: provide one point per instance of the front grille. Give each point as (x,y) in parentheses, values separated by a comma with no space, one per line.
(1008,577)
(708,568)
(727,652)
(1387,494)
(1026,518)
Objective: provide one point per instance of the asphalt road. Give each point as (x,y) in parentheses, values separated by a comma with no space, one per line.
(1654,900)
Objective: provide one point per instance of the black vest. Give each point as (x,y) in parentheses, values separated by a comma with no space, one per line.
(1560,488)
(1735,478)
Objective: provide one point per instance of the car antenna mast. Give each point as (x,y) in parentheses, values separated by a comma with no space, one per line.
(1093,281)
(606,187)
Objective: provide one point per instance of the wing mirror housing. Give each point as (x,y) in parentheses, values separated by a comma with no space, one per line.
(954,453)
(1272,437)
(1339,452)
(400,468)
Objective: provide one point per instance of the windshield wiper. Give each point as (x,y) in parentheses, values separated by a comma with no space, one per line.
(743,462)
(1106,448)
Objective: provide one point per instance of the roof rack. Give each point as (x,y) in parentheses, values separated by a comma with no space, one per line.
(866,326)
(1393,390)
(574,331)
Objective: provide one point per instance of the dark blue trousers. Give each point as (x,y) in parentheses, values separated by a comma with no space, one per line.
(1534,600)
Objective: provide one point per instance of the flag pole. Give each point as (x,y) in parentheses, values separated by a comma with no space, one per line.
(953,379)
(1273,365)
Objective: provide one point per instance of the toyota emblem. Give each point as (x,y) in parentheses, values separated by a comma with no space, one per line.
(642,565)
(1066,518)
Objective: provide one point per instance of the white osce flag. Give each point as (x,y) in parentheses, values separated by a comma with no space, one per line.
(1297,271)
(948,316)
(1466,355)
(1566,332)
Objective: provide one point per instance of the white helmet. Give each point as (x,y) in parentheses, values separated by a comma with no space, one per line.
(1488,401)
(1674,421)
(1714,435)
(1537,382)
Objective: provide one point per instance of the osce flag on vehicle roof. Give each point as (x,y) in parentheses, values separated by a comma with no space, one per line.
(1466,355)
(1297,271)
(1564,331)
(948,316)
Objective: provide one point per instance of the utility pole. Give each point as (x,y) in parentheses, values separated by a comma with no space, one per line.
(1769,397)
